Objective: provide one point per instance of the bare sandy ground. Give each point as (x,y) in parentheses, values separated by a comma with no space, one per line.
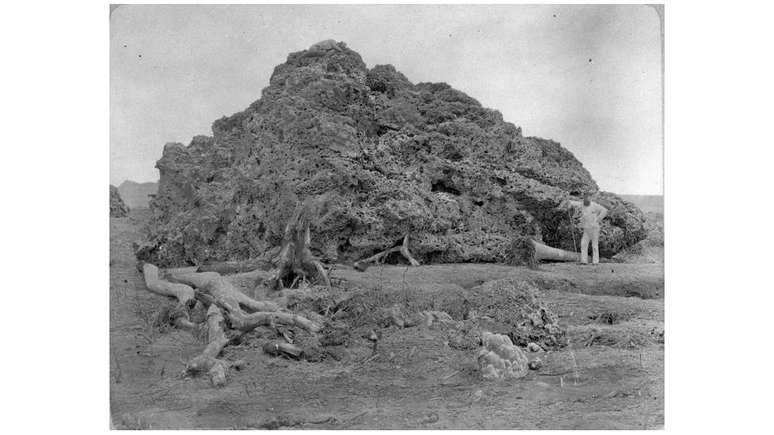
(611,376)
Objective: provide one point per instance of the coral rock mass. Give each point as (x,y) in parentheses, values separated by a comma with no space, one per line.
(383,158)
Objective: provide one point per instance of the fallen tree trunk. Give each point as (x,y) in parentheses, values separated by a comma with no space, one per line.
(526,251)
(544,252)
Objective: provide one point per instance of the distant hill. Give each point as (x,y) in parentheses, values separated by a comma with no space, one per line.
(646,203)
(117,206)
(135,195)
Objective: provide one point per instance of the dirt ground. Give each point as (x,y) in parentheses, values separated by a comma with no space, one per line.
(610,376)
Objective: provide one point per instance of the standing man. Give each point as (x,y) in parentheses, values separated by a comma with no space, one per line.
(591,220)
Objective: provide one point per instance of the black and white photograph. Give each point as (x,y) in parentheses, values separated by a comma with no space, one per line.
(387,217)
(371,217)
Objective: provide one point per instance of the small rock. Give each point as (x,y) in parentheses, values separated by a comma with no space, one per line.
(374,335)
(534,347)
(282,349)
(271,349)
(535,364)
(429,418)
(478,395)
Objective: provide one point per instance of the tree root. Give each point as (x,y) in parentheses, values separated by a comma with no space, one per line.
(183,293)
(177,316)
(227,306)
(222,290)
(246,322)
(379,258)
(295,260)
(231,267)
(208,361)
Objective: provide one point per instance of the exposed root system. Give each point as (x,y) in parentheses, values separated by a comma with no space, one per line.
(227,307)
(295,261)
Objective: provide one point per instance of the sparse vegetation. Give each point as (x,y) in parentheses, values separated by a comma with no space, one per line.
(409,368)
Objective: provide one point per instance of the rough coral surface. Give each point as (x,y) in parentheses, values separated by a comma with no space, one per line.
(649,250)
(391,157)
(499,359)
(117,206)
(516,304)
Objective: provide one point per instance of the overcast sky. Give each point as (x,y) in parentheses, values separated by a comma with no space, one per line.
(586,76)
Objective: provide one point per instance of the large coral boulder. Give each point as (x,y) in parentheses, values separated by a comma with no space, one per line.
(117,206)
(386,156)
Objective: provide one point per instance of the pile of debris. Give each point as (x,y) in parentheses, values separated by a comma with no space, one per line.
(117,206)
(510,306)
(387,159)
(518,312)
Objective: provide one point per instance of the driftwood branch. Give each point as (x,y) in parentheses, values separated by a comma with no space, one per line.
(379,258)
